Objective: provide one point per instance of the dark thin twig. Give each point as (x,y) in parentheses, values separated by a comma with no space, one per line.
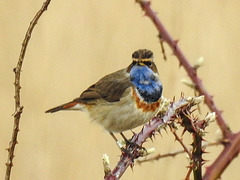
(18,106)
(181,142)
(162,48)
(197,160)
(195,127)
(187,177)
(173,154)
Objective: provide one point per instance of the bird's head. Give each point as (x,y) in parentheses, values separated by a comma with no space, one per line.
(143,57)
(144,76)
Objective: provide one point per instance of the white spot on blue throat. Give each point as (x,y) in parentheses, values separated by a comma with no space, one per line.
(146,82)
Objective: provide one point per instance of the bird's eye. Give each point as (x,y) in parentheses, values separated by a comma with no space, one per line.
(148,63)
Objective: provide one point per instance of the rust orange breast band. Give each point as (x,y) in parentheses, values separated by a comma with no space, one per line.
(146,107)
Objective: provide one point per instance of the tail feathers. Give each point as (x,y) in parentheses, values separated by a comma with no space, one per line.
(71,106)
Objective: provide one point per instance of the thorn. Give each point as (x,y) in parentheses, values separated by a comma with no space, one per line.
(184,130)
(151,138)
(131,165)
(174,98)
(133,132)
(9,164)
(205,152)
(159,131)
(182,95)
(176,42)
(193,110)
(177,116)
(176,139)
(153,133)
(165,129)
(180,64)
(205,161)
(190,166)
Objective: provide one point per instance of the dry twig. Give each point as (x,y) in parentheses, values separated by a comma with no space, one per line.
(173,154)
(18,106)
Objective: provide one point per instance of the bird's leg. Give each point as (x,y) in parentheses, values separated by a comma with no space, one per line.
(119,143)
(130,145)
(125,139)
(114,137)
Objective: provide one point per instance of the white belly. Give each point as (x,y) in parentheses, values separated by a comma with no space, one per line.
(120,116)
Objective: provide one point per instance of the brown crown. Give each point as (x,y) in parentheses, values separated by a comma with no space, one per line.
(142,54)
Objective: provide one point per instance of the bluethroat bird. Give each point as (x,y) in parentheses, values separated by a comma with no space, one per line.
(124,99)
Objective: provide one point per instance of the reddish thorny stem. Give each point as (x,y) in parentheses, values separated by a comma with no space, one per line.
(145,5)
(232,140)
(232,143)
(140,138)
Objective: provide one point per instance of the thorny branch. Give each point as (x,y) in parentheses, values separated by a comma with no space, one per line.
(196,127)
(165,36)
(18,106)
(149,130)
(232,140)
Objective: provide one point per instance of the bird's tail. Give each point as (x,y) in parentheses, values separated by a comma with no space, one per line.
(67,106)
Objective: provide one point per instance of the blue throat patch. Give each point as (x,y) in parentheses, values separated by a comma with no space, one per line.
(147,84)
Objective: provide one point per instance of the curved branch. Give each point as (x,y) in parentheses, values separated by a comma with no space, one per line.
(18,106)
(230,151)
(165,36)
(232,140)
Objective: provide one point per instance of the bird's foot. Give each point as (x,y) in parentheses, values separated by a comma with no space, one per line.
(133,149)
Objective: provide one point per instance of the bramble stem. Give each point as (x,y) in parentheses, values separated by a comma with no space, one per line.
(18,106)
(165,36)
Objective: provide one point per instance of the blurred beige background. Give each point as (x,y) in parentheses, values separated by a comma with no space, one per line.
(77,42)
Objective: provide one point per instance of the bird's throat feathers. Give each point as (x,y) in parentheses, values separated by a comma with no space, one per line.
(146,82)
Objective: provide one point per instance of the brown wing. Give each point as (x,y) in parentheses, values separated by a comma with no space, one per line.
(109,88)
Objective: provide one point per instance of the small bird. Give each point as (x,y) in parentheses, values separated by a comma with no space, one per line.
(124,99)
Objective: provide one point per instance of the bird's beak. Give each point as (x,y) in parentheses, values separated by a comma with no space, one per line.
(140,63)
